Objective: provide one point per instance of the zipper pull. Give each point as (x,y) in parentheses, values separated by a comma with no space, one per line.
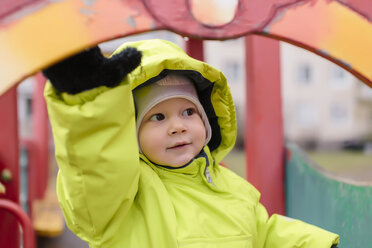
(208,175)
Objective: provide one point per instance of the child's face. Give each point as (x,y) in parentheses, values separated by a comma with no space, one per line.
(172,133)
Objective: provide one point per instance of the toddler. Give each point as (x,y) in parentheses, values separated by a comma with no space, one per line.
(139,155)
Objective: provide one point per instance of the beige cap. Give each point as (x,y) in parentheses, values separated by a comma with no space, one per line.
(171,86)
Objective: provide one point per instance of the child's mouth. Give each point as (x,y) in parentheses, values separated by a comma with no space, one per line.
(178,146)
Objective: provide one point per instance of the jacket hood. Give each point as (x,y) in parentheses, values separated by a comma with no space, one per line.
(160,57)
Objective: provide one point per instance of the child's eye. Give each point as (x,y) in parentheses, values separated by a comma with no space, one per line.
(157,117)
(188,112)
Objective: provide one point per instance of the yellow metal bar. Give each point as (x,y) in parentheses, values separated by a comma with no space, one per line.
(44,35)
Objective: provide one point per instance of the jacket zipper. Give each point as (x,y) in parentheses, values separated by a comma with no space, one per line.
(208,175)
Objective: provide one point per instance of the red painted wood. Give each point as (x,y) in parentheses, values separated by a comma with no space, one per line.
(40,125)
(8,7)
(363,7)
(195,49)
(9,234)
(251,16)
(264,143)
(25,222)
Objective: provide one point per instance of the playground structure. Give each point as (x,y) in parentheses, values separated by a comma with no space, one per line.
(37,33)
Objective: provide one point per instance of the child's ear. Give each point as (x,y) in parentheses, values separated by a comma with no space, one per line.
(90,69)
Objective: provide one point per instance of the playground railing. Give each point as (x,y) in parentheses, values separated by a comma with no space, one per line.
(28,236)
(333,202)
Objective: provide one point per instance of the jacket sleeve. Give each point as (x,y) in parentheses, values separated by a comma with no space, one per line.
(97,153)
(283,232)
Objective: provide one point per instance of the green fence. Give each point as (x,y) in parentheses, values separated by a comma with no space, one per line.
(339,205)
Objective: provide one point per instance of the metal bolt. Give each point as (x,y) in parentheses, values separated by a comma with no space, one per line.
(6,176)
(2,189)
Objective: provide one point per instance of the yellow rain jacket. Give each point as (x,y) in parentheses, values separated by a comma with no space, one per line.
(114,197)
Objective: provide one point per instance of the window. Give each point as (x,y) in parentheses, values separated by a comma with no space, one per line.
(365,91)
(232,70)
(339,78)
(339,114)
(28,102)
(304,74)
(306,115)
(337,73)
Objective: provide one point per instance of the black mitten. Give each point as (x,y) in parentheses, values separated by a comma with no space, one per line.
(90,69)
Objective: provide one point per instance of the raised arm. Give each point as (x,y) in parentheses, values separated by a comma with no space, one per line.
(93,123)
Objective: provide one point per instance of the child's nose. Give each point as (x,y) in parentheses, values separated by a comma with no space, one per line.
(176,126)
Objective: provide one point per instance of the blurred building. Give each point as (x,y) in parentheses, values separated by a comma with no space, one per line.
(324,106)
(229,57)
(24,104)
